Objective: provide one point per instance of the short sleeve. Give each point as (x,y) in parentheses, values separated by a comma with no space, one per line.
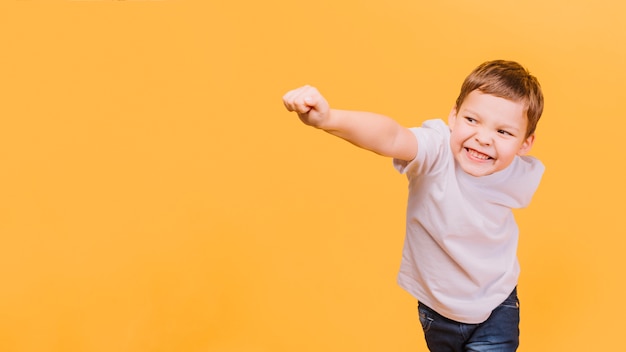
(432,139)
(527,172)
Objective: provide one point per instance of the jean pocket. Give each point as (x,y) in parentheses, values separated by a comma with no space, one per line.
(511,302)
(425,316)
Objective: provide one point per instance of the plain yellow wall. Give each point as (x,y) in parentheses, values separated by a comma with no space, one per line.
(156,196)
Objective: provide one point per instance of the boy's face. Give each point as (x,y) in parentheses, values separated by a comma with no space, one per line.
(487,132)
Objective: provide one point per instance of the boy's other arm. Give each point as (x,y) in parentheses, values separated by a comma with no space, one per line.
(377,133)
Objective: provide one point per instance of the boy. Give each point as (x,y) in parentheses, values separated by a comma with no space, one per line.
(459,257)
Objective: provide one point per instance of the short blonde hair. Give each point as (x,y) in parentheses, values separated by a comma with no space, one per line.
(508,80)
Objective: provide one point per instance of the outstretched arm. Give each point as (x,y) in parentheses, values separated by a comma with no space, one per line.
(377,133)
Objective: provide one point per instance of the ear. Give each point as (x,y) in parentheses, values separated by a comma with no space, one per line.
(526,145)
(452,118)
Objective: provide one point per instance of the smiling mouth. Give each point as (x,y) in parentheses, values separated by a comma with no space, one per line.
(477,155)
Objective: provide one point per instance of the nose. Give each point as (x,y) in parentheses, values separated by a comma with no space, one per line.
(483,137)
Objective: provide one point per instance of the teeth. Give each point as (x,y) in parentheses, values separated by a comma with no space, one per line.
(478,155)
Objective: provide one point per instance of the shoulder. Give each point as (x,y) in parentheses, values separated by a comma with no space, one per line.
(433,138)
(432,133)
(437,125)
(522,180)
(528,165)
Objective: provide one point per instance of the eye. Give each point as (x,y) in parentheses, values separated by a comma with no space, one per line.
(470,119)
(503,132)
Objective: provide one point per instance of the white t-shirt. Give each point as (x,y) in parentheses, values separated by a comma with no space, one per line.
(460,251)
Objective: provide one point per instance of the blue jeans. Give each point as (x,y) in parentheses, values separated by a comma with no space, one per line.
(499,333)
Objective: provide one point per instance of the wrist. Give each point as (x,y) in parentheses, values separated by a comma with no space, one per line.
(331,120)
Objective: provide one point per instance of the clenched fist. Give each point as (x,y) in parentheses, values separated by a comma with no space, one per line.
(309,104)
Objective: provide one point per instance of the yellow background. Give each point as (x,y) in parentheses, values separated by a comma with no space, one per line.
(156,196)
